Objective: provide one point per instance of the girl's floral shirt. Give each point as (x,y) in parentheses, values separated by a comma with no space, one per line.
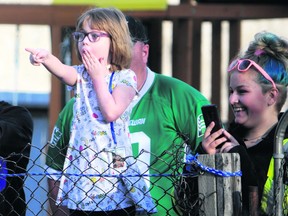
(94,158)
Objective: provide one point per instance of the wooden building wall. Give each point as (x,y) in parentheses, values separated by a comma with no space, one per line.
(186,18)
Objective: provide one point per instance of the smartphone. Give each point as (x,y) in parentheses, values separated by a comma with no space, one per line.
(210,113)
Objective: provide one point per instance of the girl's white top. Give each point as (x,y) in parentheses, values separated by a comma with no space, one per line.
(90,180)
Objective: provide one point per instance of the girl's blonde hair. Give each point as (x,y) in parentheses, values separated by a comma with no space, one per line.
(112,21)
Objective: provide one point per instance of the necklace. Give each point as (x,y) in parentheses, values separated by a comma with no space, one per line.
(253,139)
(261,137)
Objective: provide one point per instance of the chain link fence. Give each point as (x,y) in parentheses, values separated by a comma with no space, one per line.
(26,193)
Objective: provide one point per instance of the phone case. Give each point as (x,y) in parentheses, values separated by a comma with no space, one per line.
(210,113)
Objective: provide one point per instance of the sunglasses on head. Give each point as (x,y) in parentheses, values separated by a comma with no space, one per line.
(243,65)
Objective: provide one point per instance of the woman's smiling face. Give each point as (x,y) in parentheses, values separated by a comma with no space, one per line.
(246,98)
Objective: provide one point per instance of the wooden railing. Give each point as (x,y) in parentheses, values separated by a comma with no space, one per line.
(186,51)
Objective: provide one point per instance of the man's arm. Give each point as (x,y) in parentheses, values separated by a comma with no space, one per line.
(53,188)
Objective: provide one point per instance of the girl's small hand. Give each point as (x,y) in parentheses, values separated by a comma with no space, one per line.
(37,56)
(210,141)
(95,67)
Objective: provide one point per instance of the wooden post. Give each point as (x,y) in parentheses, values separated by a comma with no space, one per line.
(222,195)
(253,201)
(216,64)
(56,95)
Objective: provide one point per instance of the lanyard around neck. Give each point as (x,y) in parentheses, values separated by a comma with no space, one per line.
(112,123)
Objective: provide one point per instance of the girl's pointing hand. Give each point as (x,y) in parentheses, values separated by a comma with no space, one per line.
(37,56)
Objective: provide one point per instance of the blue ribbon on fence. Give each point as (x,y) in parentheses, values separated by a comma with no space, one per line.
(91,175)
(193,159)
(3,172)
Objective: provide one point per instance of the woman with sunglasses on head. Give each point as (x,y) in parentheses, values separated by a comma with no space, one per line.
(258,82)
(100,147)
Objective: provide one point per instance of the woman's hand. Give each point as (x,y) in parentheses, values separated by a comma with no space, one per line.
(229,144)
(212,143)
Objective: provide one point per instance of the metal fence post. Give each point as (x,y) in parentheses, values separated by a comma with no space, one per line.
(278,157)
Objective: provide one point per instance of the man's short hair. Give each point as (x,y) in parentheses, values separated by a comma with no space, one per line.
(137,30)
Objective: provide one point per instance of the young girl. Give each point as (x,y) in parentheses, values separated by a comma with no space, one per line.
(258,82)
(99,148)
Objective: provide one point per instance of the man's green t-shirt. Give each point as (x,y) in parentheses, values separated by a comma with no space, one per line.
(57,146)
(166,115)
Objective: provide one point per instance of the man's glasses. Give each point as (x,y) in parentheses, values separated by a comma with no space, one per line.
(92,36)
(245,64)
